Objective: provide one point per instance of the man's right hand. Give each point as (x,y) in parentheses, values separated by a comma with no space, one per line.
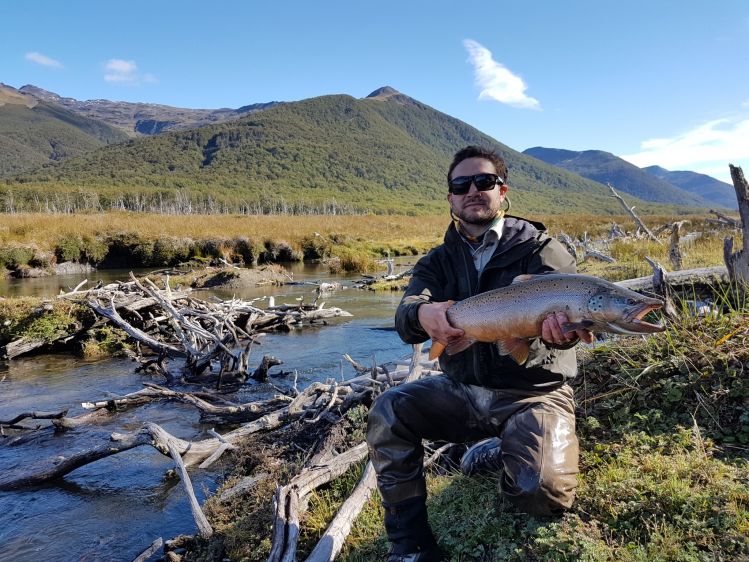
(433,319)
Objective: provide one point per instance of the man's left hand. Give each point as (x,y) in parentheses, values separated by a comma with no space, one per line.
(551,331)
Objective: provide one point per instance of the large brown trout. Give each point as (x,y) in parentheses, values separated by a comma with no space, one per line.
(512,315)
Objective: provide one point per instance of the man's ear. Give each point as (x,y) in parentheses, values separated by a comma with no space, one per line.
(503,189)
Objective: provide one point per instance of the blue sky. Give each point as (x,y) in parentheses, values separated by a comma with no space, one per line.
(657,82)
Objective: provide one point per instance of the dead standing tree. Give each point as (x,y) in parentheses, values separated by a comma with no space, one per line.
(631,210)
(738,262)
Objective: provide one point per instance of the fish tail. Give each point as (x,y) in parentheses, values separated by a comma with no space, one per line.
(436,350)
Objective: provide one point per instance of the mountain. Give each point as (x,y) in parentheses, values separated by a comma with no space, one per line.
(604,167)
(34,132)
(386,153)
(144,118)
(716,191)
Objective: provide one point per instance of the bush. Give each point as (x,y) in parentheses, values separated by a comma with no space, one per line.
(171,251)
(68,248)
(244,249)
(16,256)
(83,249)
(315,247)
(278,251)
(42,259)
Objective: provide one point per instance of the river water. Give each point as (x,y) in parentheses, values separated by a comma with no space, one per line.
(114,508)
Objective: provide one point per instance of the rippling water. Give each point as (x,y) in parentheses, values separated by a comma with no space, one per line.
(114,508)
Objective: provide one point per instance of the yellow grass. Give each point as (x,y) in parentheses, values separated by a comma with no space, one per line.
(373,235)
(44,229)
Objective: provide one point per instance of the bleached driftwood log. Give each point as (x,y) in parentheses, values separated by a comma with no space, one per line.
(708,276)
(724,219)
(738,262)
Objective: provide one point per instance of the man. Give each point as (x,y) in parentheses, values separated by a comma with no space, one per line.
(525,411)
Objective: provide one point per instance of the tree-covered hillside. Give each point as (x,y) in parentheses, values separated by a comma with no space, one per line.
(33,136)
(604,167)
(383,154)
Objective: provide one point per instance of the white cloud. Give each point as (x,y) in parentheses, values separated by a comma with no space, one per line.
(707,149)
(43,60)
(495,81)
(745,103)
(126,72)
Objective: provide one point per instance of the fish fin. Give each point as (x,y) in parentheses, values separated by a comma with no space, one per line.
(436,350)
(517,348)
(522,278)
(572,326)
(459,345)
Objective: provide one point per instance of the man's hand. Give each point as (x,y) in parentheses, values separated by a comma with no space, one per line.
(551,331)
(433,319)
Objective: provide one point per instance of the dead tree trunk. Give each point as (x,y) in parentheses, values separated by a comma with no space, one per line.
(631,211)
(738,262)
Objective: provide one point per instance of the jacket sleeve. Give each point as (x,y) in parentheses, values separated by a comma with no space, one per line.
(426,285)
(553,258)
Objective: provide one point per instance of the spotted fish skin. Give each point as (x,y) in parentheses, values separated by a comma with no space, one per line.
(513,315)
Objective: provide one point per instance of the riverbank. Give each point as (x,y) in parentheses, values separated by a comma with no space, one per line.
(34,244)
(664,430)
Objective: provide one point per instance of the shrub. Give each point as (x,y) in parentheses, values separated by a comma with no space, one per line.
(171,251)
(315,247)
(16,256)
(278,251)
(68,248)
(244,249)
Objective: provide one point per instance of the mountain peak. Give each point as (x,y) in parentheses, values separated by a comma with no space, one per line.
(387,93)
(9,95)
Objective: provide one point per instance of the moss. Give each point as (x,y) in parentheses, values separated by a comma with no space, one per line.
(36,318)
(107,341)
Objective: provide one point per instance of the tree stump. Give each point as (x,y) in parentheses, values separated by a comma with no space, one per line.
(738,262)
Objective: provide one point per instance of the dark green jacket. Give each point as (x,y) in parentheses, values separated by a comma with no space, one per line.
(448,273)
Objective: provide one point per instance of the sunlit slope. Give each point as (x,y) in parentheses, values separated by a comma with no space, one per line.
(33,136)
(386,153)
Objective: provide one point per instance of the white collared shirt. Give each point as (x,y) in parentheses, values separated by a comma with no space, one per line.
(483,253)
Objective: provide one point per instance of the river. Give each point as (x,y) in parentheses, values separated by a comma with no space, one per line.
(114,508)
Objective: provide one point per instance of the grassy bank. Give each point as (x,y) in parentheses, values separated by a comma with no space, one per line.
(664,427)
(145,240)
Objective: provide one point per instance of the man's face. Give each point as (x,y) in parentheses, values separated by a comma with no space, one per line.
(476,207)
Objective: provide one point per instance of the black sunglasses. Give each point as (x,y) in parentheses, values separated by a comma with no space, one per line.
(483,182)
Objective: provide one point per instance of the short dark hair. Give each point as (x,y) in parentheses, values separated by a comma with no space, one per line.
(479,152)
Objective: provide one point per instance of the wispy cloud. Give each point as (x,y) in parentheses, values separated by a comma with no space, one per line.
(39,58)
(496,81)
(708,148)
(125,72)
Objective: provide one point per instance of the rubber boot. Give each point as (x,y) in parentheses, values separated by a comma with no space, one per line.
(409,533)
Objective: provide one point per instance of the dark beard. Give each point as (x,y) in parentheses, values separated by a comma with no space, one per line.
(478,221)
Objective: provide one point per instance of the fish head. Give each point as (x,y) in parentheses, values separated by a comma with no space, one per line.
(621,311)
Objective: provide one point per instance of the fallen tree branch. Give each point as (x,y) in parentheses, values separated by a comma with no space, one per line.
(204,527)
